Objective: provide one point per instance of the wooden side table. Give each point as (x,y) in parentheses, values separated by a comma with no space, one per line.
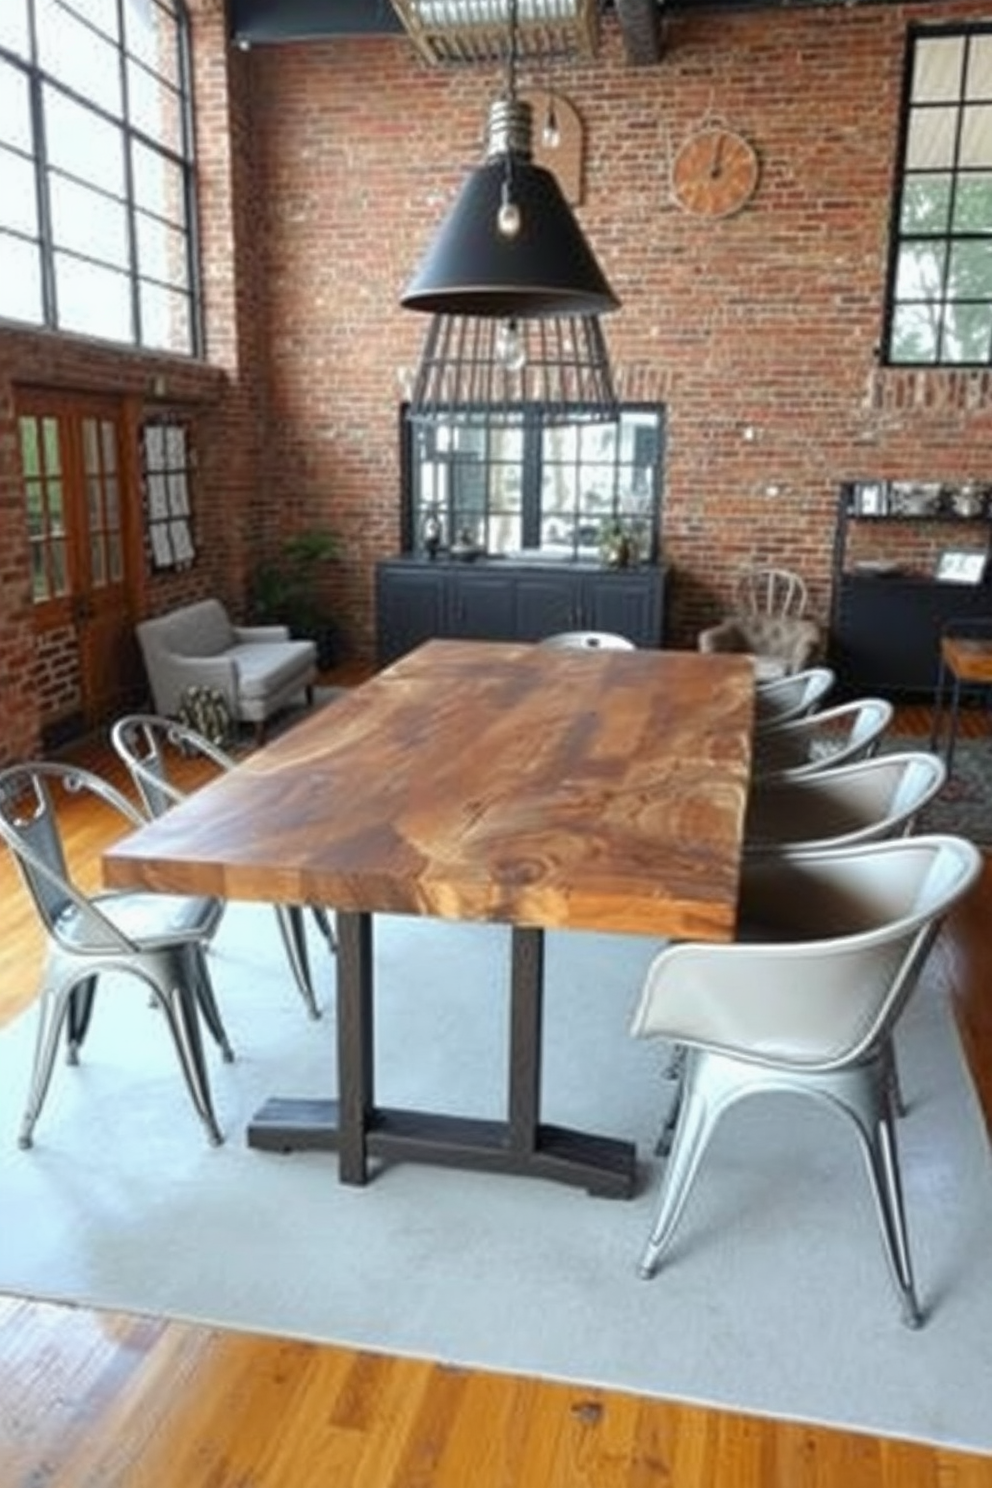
(965,660)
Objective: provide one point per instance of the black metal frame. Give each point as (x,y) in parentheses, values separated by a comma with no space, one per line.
(184,161)
(897,237)
(359,1130)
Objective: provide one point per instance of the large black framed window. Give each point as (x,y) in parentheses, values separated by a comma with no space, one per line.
(97,171)
(939,303)
(533,487)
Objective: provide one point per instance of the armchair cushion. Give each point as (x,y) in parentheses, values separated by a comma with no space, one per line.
(781,644)
(258,669)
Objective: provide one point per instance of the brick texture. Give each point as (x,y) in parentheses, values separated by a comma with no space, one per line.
(325,168)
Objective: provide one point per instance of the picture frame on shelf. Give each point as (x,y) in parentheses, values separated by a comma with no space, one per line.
(961,565)
(871,498)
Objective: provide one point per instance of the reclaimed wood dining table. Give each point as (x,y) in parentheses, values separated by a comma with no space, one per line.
(540,788)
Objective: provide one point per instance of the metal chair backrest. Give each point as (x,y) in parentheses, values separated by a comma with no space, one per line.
(795,696)
(862,802)
(589,640)
(29,824)
(144,742)
(823,741)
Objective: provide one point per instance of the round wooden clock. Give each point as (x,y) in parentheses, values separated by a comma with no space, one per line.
(714,172)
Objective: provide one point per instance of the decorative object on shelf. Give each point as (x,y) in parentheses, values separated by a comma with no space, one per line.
(915,498)
(961,565)
(870,498)
(465,548)
(431,534)
(618,545)
(968,500)
(715,170)
(513,288)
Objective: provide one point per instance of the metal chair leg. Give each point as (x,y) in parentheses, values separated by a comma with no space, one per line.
(198,978)
(181,1006)
(79,1013)
(293,931)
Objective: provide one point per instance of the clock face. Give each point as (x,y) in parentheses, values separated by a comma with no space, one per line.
(714,173)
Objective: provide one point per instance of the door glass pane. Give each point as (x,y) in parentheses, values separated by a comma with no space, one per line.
(108,445)
(98,571)
(60,567)
(30,455)
(15,112)
(111,504)
(93,505)
(50,445)
(93,300)
(20,280)
(35,508)
(39,574)
(56,508)
(115,557)
(91,450)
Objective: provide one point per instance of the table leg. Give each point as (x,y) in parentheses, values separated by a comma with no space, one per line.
(356,1041)
(938,706)
(526,1028)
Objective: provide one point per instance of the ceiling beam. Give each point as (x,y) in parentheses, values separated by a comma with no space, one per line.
(640,26)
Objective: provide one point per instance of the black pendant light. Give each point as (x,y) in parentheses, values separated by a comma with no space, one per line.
(514,289)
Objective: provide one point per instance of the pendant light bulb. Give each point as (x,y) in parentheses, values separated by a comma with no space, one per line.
(510,351)
(550,133)
(508,218)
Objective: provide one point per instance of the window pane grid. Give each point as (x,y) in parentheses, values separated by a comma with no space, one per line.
(97,218)
(538,489)
(940,290)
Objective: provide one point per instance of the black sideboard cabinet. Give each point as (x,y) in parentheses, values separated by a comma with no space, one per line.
(495,599)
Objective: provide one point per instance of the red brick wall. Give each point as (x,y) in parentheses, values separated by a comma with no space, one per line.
(759,332)
(324,169)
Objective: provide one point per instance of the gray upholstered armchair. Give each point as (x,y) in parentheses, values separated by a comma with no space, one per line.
(768,621)
(258,668)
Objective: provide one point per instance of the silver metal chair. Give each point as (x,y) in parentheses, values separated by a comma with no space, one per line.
(158,939)
(796,696)
(145,741)
(821,741)
(864,802)
(589,640)
(809,1007)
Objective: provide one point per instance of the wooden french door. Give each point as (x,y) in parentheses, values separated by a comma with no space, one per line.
(79,498)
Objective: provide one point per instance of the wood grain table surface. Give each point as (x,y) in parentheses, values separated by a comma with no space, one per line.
(487,781)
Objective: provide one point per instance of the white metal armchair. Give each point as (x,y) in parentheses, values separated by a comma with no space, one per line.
(588,640)
(863,802)
(808,1007)
(145,743)
(768,621)
(835,736)
(796,696)
(156,939)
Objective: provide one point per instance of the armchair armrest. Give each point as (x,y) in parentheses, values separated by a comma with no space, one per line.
(727,636)
(243,633)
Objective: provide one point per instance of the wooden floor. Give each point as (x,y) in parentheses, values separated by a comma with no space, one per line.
(91,1400)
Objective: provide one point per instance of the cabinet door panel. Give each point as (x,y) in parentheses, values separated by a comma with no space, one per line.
(547,603)
(628,604)
(482,606)
(410,609)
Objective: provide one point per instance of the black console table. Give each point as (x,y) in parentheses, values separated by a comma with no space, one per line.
(888,612)
(496,599)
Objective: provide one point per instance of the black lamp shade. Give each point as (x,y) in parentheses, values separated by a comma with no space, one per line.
(546,269)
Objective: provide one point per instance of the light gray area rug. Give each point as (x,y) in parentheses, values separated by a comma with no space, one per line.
(775,1298)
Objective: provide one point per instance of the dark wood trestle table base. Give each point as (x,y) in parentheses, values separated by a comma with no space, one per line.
(472,780)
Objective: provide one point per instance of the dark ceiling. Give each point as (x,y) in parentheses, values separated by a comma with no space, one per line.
(258,21)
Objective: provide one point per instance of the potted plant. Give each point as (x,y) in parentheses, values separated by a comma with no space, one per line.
(286,590)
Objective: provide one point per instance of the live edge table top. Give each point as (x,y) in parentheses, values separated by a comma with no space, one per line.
(476,780)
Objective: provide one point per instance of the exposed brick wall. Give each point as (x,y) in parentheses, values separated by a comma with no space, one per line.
(759,331)
(324,170)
